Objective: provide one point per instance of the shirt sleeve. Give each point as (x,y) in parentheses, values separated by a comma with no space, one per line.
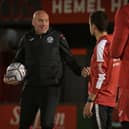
(68,57)
(20,53)
(120,35)
(100,71)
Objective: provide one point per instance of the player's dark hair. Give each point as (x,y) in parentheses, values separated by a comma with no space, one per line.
(100,19)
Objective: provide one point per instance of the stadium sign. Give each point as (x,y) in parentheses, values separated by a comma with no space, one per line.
(61,11)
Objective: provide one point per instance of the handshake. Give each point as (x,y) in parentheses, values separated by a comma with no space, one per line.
(85,72)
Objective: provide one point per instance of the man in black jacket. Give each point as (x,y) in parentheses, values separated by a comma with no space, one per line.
(43,52)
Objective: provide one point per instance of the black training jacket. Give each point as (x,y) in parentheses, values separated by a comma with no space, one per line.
(44,56)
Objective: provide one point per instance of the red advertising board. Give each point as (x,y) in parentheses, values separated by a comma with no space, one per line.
(77,11)
(61,11)
(9,116)
(65,117)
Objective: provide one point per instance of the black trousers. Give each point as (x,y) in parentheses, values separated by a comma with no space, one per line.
(43,98)
(125,125)
(102,117)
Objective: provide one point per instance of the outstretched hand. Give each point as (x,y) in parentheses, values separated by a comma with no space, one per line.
(85,71)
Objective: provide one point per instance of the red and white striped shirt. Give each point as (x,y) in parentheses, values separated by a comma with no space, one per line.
(104,73)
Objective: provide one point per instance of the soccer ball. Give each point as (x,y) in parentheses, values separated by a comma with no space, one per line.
(16,71)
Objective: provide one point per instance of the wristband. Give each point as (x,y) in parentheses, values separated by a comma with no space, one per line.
(89,100)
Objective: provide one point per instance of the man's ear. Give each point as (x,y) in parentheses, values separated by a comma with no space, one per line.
(94,26)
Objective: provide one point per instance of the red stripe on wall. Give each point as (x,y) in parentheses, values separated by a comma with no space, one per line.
(79,51)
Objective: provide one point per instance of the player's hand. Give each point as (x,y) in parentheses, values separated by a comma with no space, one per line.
(85,71)
(87,110)
(10,81)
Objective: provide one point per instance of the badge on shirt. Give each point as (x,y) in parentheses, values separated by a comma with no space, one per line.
(31,39)
(50,39)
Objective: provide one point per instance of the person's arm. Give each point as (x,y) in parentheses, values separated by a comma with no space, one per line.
(97,80)
(19,57)
(68,57)
(102,52)
(121,34)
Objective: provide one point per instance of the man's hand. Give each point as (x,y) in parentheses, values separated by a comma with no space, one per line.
(10,81)
(87,110)
(85,71)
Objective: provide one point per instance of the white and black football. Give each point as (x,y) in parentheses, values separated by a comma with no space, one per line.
(16,71)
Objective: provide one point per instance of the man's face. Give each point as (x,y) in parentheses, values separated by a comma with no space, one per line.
(91,27)
(40,22)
